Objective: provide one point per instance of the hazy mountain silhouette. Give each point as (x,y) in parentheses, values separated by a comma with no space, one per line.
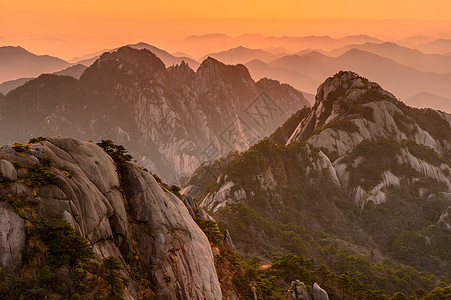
(167,58)
(301,81)
(405,81)
(240,55)
(414,58)
(415,40)
(16,62)
(73,71)
(440,46)
(198,45)
(424,100)
(10,85)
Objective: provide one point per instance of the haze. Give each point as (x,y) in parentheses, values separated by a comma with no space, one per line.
(72,28)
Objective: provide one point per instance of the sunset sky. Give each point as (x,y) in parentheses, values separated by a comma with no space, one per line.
(73,28)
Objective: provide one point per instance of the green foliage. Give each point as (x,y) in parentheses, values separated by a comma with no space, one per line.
(429,120)
(283,133)
(5,179)
(342,124)
(47,162)
(111,267)
(424,153)
(37,140)
(41,175)
(361,111)
(117,152)
(18,147)
(18,165)
(211,230)
(175,189)
(377,157)
(65,246)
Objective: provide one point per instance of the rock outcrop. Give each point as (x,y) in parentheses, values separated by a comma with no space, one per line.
(129,216)
(298,291)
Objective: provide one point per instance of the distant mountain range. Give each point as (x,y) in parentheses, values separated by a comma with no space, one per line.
(240,55)
(16,62)
(441,46)
(424,100)
(197,44)
(73,71)
(410,57)
(303,62)
(403,80)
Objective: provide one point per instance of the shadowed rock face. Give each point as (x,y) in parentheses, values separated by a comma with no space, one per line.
(154,232)
(171,119)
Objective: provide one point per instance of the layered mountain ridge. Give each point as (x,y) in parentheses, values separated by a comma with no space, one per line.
(176,116)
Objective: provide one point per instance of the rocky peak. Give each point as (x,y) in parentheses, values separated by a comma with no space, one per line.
(179,75)
(126,65)
(213,72)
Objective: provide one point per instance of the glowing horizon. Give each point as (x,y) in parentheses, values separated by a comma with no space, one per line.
(68,29)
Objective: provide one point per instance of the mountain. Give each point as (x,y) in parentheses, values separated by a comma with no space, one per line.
(60,186)
(171,119)
(203,44)
(423,100)
(242,55)
(73,71)
(410,57)
(403,80)
(16,62)
(167,58)
(10,85)
(440,46)
(414,41)
(360,182)
(301,81)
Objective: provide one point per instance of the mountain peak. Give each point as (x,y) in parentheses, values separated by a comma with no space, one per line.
(350,86)
(125,62)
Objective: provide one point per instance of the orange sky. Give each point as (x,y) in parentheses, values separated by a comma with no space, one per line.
(70,28)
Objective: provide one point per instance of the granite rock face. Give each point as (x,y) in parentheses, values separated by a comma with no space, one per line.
(134,218)
(12,237)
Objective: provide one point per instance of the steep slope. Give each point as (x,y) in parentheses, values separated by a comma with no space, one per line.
(119,208)
(357,179)
(16,62)
(176,116)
